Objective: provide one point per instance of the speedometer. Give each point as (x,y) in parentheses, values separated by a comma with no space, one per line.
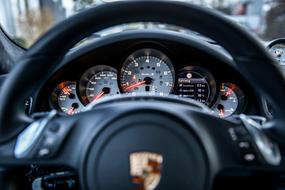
(98,82)
(147,71)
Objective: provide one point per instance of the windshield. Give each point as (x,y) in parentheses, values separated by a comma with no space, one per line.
(26,20)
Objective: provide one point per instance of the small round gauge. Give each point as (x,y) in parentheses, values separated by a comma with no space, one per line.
(147,71)
(231,100)
(278,52)
(196,83)
(65,99)
(97,82)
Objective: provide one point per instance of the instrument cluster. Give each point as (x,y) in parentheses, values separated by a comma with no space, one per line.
(149,71)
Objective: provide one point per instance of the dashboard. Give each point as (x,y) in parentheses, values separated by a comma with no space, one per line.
(154,66)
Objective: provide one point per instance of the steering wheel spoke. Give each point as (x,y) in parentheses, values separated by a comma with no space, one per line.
(238,146)
(54,140)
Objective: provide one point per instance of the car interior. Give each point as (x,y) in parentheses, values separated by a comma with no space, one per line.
(147,109)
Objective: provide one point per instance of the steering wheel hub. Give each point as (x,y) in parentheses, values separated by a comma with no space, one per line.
(146,150)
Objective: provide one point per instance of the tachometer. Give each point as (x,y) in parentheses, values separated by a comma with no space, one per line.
(196,83)
(97,82)
(64,98)
(147,71)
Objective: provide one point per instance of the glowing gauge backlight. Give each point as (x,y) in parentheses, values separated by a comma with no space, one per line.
(64,98)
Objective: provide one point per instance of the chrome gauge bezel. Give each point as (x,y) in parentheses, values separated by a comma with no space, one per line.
(87,76)
(54,97)
(240,95)
(141,53)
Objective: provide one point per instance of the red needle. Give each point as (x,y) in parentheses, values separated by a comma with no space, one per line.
(98,96)
(221,113)
(128,88)
(71,111)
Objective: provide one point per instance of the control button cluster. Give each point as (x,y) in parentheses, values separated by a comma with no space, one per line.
(50,141)
(244,144)
(268,149)
(41,139)
(253,144)
(53,181)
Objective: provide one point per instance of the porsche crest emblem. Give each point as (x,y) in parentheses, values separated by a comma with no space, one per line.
(145,169)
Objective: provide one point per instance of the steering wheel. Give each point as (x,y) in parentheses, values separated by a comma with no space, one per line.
(146,142)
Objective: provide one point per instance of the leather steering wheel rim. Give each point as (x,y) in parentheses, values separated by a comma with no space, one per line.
(250,57)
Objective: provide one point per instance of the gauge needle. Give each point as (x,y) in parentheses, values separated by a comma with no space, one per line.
(98,96)
(221,110)
(105,91)
(71,111)
(134,85)
(221,113)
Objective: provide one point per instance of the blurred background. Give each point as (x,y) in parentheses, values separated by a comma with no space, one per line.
(26,20)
